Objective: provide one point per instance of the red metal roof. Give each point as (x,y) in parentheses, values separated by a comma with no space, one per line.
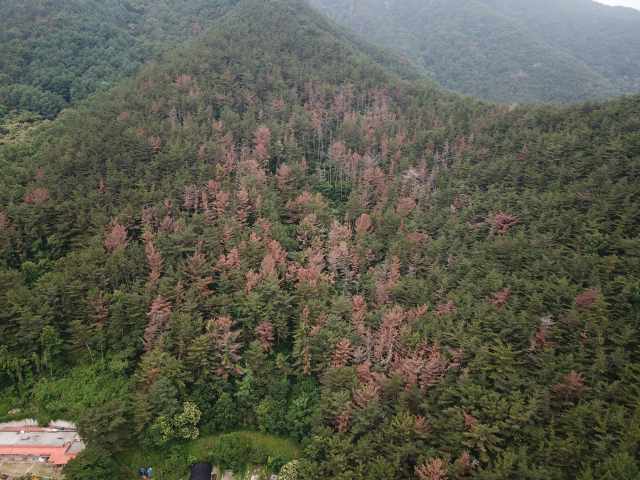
(60,459)
(56,454)
(33,450)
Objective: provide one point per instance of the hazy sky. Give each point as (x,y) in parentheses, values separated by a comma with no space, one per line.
(624,3)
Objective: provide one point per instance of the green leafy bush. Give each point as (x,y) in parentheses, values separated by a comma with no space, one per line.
(259,455)
(276,463)
(231,452)
(289,471)
(91,463)
(271,414)
(225,414)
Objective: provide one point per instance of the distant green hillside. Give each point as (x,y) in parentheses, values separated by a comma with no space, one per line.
(606,38)
(596,8)
(56,52)
(473,48)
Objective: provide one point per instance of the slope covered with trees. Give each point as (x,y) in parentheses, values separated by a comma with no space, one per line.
(54,53)
(606,38)
(505,50)
(270,229)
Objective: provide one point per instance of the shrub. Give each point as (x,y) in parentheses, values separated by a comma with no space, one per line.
(276,463)
(92,463)
(289,471)
(259,455)
(231,452)
(271,415)
(225,413)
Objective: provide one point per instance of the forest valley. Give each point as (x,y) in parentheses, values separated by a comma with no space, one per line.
(269,229)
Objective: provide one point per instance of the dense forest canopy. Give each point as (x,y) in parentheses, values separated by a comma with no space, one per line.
(280,227)
(606,38)
(507,50)
(54,53)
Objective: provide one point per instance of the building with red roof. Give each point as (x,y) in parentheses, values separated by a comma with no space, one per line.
(50,444)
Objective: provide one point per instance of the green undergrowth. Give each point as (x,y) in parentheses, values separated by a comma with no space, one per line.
(43,418)
(9,403)
(66,397)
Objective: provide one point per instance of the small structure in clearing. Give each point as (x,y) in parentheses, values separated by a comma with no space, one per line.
(201,471)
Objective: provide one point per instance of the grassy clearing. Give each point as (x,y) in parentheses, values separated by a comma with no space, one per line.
(273,444)
(130,460)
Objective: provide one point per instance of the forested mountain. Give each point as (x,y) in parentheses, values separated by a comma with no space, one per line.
(606,38)
(56,52)
(507,50)
(270,229)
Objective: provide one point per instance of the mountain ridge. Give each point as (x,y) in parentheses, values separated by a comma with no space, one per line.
(268,230)
(608,45)
(477,48)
